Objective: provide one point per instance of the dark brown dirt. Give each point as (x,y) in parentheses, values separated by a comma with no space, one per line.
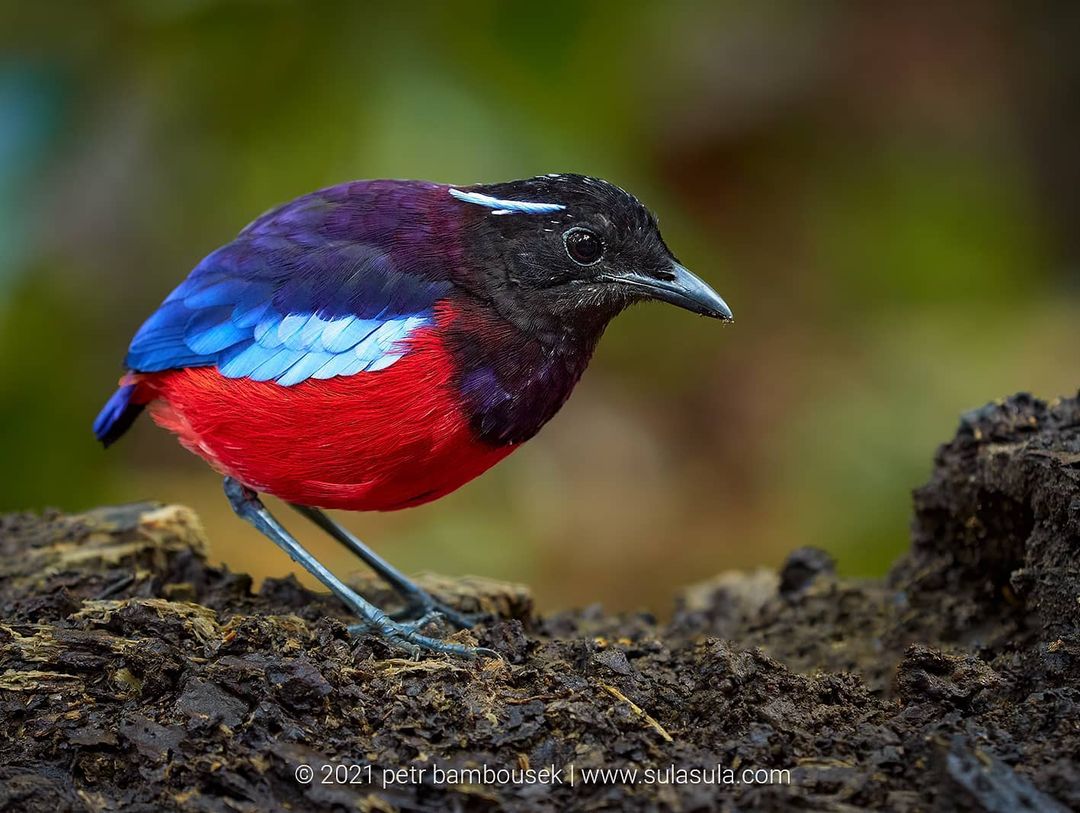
(134,676)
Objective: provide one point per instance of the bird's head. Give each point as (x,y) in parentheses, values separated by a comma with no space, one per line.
(576,250)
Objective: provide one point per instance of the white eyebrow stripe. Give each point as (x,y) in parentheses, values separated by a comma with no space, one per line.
(506,207)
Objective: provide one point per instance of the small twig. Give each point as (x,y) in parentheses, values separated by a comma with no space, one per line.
(395,666)
(518,701)
(638,710)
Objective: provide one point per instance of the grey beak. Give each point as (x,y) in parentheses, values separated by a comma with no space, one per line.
(684,290)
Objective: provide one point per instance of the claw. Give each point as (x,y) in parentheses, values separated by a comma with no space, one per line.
(433,607)
(406,636)
(460,620)
(430,617)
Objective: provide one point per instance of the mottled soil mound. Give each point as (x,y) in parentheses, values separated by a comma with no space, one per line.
(134,676)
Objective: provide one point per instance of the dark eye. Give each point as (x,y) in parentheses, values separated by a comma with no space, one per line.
(583,246)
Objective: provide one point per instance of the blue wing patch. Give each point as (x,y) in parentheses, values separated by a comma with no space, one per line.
(296,347)
(230,313)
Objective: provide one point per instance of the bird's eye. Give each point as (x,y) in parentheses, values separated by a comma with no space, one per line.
(583,246)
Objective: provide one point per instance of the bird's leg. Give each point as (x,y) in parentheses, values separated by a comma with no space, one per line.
(248,506)
(420,602)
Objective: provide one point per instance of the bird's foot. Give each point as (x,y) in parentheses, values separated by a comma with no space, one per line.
(424,605)
(406,636)
(418,602)
(417,624)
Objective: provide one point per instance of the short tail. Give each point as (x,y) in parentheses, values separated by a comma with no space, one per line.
(118,414)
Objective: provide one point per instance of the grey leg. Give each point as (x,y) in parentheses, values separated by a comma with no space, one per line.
(420,601)
(248,506)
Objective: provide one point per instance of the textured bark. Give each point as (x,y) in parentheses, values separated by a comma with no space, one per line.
(134,676)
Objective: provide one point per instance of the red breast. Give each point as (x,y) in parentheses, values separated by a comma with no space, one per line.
(368,442)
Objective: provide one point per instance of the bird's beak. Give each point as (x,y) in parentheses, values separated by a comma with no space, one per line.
(683,289)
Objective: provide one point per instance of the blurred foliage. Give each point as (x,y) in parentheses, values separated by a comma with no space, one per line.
(886,194)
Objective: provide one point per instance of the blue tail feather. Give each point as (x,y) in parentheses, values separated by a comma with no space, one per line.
(117,415)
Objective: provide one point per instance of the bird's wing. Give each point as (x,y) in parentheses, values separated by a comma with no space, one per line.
(298,295)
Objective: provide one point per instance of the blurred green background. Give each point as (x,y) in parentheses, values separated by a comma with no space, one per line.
(886,194)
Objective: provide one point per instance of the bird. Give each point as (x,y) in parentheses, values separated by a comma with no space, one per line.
(377,344)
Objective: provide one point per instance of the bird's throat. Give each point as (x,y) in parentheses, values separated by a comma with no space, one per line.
(511,383)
